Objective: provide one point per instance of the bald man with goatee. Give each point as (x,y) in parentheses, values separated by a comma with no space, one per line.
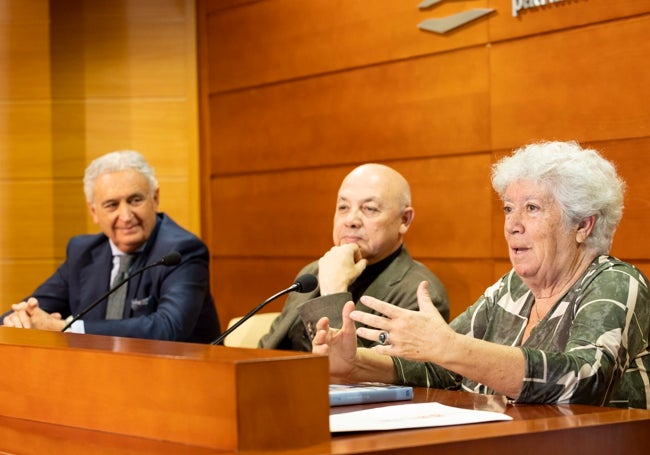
(373,214)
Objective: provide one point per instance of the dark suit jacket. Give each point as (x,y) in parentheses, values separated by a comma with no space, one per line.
(163,303)
(397,284)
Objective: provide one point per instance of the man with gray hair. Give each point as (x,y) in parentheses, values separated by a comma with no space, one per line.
(164,303)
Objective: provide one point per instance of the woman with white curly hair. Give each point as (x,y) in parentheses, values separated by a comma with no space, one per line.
(567,324)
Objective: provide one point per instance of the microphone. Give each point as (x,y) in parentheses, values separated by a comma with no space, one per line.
(173,258)
(304,283)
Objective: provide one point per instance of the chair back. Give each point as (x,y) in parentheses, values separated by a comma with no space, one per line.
(249,333)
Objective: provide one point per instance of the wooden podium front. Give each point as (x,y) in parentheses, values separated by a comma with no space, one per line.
(228,399)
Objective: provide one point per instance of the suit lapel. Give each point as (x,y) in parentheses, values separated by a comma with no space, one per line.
(95,280)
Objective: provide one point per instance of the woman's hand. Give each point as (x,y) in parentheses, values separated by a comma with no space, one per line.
(416,335)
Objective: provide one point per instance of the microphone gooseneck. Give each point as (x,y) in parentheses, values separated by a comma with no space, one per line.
(304,283)
(173,258)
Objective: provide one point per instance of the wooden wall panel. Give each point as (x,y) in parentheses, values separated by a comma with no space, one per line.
(160,129)
(631,159)
(277,214)
(290,213)
(24,142)
(440,227)
(12,272)
(26,239)
(125,58)
(24,129)
(290,222)
(288,104)
(24,56)
(405,109)
(33,208)
(465,280)
(80,78)
(240,284)
(557,16)
(261,42)
(588,84)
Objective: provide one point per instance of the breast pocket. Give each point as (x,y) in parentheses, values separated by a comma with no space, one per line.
(141,307)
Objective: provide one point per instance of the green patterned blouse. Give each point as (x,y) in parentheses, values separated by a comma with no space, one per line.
(591,347)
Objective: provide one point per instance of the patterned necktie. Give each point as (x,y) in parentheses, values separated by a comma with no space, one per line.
(115,308)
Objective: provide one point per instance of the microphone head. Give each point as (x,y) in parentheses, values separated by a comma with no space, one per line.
(306,283)
(172,258)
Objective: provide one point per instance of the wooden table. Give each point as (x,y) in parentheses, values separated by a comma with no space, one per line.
(535,429)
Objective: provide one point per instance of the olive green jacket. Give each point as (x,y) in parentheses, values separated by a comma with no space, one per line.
(294,328)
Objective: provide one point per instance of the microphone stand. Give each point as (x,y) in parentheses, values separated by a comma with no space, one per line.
(220,339)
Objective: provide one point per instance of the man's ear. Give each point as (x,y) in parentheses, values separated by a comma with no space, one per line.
(92,211)
(156,197)
(407,218)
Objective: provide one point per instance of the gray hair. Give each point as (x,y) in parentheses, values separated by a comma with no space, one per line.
(117,161)
(581,181)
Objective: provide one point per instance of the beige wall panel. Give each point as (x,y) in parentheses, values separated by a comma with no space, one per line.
(262,42)
(24,10)
(25,140)
(555,16)
(159,129)
(19,279)
(92,10)
(29,205)
(129,84)
(558,87)
(123,75)
(122,59)
(68,214)
(175,201)
(211,6)
(407,109)
(24,61)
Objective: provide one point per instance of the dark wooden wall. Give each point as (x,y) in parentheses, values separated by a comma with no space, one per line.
(294,93)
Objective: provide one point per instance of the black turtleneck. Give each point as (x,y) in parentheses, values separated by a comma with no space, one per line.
(370,274)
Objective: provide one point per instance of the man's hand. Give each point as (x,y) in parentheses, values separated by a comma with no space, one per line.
(339,344)
(28,315)
(339,267)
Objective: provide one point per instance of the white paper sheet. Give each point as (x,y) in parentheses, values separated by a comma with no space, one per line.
(412,415)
